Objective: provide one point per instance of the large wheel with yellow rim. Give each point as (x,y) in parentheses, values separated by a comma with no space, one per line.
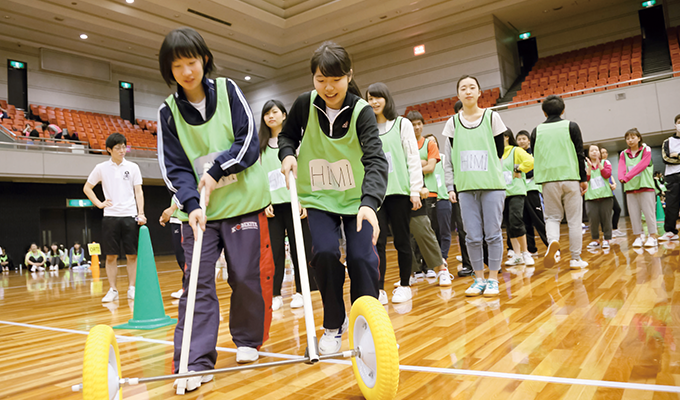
(376,366)
(101,365)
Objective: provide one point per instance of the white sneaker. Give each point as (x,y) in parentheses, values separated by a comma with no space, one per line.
(459,259)
(412,280)
(605,244)
(382,297)
(445,277)
(511,254)
(111,295)
(618,233)
(34,268)
(551,256)
(419,275)
(577,264)
(519,260)
(131,293)
(430,274)
(401,294)
(297,301)
(277,303)
(594,244)
(668,236)
(491,288)
(246,355)
(41,269)
(331,340)
(651,242)
(477,287)
(528,259)
(178,294)
(638,241)
(195,382)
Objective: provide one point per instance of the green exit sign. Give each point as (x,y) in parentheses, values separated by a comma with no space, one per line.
(17,64)
(649,3)
(525,35)
(126,85)
(78,203)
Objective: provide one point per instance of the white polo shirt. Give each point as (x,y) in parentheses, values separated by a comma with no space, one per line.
(118,182)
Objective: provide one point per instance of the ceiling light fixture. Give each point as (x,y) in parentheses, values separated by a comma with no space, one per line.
(83,36)
(247,78)
(129,1)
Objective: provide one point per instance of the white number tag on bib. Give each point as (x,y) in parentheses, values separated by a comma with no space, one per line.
(439,179)
(474,160)
(203,164)
(324,175)
(276,180)
(597,183)
(388,155)
(508,177)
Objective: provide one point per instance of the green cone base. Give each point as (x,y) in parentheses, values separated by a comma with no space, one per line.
(149,312)
(147,324)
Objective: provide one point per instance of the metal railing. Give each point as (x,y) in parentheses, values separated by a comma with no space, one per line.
(505,106)
(66,146)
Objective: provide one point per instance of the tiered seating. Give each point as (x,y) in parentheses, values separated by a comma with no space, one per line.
(673,40)
(441,110)
(94,128)
(584,71)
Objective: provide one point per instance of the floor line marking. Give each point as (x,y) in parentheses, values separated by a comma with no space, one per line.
(410,368)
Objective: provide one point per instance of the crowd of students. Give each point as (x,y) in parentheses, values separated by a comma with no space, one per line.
(52,258)
(361,170)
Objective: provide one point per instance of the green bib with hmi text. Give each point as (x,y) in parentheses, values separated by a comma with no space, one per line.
(397,177)
(236,194)
(515,186)
(644,179)
(277,182)
(598,187)
(475,162)
(330,171)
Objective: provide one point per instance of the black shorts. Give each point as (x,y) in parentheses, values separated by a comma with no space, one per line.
(119,233)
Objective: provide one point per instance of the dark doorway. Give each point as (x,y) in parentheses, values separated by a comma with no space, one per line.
(127,101)
(652,23)
(82,225)
(528,54)
(17,84)
(52,226)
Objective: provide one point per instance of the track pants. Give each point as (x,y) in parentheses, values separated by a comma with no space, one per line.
(362,262)
(395,211)
(245,240)
(279,227)
(672,203)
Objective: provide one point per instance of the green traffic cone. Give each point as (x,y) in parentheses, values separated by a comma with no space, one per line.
(149,311)
(660,215)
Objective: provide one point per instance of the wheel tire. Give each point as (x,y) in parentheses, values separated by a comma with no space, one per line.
(100,371)
(377,367)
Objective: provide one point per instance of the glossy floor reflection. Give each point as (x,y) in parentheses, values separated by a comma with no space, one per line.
(618,320)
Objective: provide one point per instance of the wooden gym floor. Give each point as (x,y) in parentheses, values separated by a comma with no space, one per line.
(611,330)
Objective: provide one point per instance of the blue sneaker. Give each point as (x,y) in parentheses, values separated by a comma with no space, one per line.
(477,287)
(491,288)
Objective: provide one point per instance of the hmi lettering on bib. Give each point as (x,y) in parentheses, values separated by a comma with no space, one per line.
(331,176)
(203,164)
(474,160)
(388,155)
(508,175)
(276,180)
(596,183)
